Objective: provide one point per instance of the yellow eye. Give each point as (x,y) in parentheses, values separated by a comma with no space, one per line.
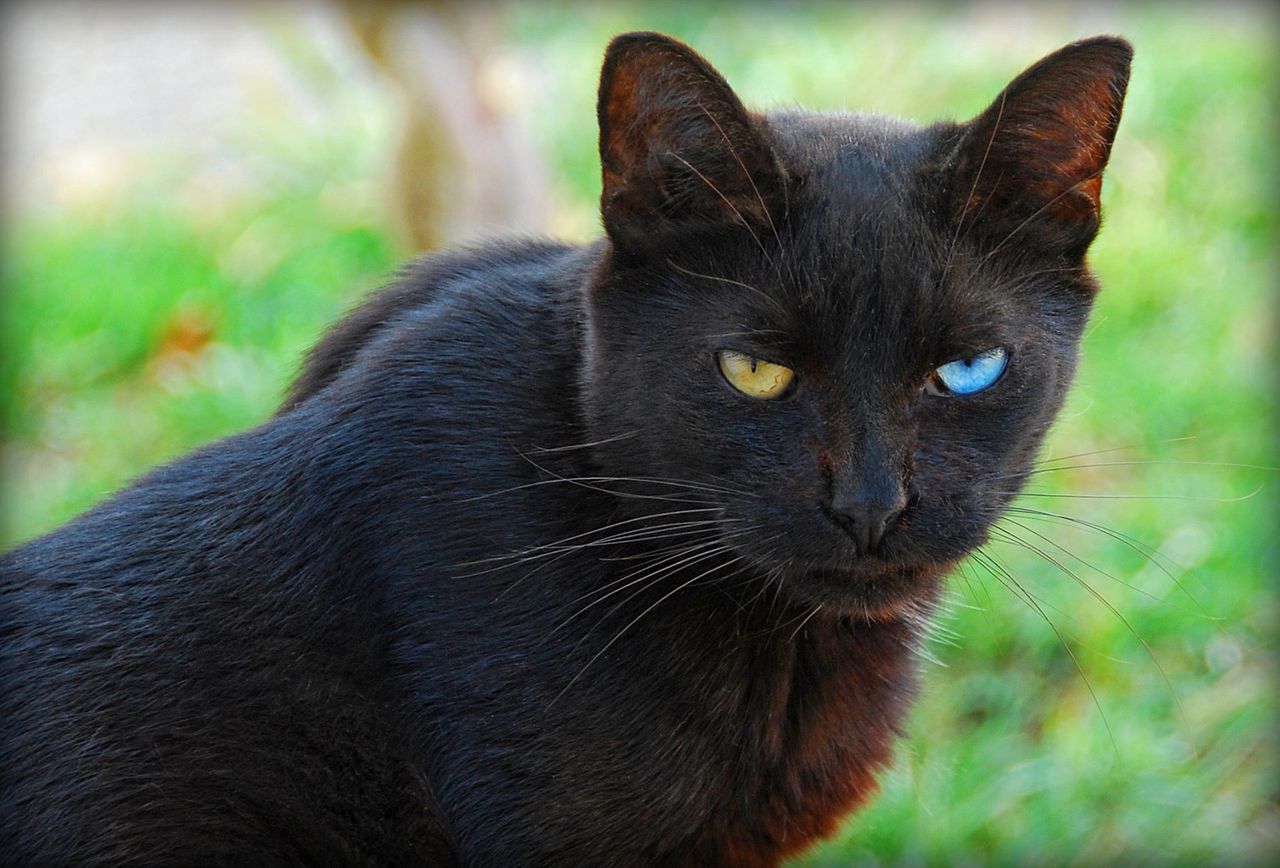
(754,377)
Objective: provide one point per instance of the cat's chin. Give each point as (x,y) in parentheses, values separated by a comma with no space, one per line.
(869,589)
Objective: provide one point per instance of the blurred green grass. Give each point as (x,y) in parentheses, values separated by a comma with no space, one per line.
(1139,729)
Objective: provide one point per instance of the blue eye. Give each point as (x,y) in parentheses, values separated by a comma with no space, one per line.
(969,377)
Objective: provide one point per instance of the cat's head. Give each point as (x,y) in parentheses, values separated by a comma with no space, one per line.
(847,333)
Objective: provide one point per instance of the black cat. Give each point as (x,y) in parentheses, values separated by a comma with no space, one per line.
(611,555)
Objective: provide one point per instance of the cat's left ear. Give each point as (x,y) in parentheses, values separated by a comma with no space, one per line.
(1029,168)
(679,152)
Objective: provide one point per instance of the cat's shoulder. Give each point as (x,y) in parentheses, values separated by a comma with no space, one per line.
(506,278)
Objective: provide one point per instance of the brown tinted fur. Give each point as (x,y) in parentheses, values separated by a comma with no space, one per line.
(820,737)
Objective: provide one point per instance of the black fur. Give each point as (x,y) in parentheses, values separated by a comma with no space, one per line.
(408,620)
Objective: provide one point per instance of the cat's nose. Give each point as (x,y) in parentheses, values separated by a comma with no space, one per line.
(867,519)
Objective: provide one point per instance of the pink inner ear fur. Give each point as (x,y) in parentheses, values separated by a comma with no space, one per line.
(629,127)
(1082,126)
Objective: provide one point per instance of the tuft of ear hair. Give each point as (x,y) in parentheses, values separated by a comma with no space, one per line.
(678,151)
(1032,162)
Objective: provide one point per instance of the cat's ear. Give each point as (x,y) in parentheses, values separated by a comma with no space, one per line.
(678,151)
(1029,168)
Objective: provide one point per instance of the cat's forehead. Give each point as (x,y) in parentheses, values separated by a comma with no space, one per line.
(864,275)
(859,212)
(858,191)
(859,155)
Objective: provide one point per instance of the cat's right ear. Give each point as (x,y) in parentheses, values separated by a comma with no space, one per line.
(679,152)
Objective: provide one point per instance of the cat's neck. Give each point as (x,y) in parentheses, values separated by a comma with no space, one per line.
(811,703)
(820,699)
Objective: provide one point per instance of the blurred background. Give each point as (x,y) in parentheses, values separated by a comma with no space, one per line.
(191,192)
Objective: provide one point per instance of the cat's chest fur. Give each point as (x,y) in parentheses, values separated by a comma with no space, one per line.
(703,733)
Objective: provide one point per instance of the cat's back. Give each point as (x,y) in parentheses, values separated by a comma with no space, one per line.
(211,643)
(447,308)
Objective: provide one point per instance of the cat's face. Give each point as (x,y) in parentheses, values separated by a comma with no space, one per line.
(848,334)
